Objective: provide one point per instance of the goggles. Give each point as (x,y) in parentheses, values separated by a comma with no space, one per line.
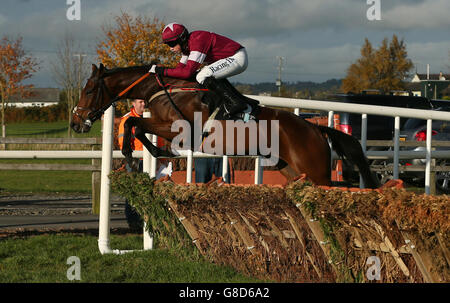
(172,43)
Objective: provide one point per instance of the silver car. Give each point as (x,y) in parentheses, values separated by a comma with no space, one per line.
(416,130)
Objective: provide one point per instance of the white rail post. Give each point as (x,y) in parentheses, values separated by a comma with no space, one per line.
(146,156)
(363,143)
(107,153)
(396,146)
(107,148)
(189,161)
(150,169)
(428,153)
(331,125)
(331,119)
(225,175)
(153,165)
(258,171)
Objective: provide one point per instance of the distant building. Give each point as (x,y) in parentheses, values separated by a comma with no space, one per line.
(37,97)
(415,88)
(433,86)
(265,94)
(431,77)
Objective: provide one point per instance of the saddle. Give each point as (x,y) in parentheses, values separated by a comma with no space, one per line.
(215,102)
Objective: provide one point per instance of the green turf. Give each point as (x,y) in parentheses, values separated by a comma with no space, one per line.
(57,129)
(44,259)
(45,181)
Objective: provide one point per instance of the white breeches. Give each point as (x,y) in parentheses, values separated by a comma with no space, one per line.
(225,68)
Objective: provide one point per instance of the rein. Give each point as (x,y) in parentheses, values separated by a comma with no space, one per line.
(175,107)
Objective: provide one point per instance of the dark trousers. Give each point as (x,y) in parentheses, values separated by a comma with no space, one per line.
(134,220)
(206,167)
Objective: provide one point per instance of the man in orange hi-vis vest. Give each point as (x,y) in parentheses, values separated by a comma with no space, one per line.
(136,111)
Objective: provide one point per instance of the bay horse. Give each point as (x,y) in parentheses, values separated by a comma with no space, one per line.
(303,146)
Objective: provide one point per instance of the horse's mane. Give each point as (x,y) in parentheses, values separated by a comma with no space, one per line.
(125,69)
(130,68)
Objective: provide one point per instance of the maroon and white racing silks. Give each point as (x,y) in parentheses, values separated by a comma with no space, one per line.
(204,48)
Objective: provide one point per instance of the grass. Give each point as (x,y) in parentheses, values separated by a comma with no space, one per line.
(43,259)
(46,181)
(57,129)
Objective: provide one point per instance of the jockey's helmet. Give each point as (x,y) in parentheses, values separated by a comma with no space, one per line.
(174,33)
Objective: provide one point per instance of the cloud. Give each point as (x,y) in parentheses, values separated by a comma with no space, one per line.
(262,17)
(319,39)
(428,14)
(300,63)
(434,53)
(3,19)
(273,17)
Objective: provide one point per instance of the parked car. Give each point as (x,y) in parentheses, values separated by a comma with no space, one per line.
(378,127)
(382,127)
(416,130)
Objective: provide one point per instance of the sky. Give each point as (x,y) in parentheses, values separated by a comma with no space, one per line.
(318,40)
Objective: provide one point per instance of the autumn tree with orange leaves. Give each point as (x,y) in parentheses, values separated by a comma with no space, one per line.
(134,41)
(385,68)
(15,67)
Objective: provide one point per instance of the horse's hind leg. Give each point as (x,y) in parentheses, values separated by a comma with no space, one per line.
(304,149)
(286,170)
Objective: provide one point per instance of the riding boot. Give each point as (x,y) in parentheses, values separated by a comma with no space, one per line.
(233,102)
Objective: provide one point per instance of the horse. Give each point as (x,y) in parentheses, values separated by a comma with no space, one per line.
(303,146)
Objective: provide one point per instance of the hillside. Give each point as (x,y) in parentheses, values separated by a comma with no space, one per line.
(297,89)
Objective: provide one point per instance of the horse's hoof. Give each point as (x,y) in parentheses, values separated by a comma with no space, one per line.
(130,162)
(134,167)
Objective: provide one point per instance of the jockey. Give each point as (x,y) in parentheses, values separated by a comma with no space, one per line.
(222,57)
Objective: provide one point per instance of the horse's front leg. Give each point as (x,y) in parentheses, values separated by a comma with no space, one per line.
(127,151)
(142,126)
(156,152)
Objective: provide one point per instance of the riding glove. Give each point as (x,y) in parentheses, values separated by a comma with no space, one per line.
(157,70)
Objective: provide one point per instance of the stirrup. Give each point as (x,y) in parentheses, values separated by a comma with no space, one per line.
(245,117)
(246,114)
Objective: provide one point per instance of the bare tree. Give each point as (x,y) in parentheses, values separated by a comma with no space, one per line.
(69,71)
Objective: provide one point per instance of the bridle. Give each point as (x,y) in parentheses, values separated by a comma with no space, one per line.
(95,114)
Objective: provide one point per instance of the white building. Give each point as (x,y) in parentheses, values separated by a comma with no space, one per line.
(38,97)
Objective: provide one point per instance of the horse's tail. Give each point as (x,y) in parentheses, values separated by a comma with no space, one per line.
(349,147)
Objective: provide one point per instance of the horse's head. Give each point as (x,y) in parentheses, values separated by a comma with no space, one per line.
(94,96)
